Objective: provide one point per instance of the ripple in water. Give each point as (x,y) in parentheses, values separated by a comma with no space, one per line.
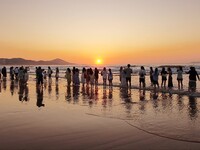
(171,116)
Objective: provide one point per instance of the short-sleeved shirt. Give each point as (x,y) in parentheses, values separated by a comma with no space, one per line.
(128,72)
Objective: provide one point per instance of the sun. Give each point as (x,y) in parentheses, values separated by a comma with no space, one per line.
(98,61)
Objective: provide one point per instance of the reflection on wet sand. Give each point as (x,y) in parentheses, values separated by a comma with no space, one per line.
(192,108)
(4,82)
(12,86)
(68,94)
(40,96)
(156,111)
(142,97)
(50,87)
(75,91)
(57,90)
(23,92)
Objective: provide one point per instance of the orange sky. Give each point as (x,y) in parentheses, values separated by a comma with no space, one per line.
(116,31)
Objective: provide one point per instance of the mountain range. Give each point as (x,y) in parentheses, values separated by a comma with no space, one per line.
(21,61)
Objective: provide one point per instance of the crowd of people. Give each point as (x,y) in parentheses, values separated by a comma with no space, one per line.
(91,77)
(17,73)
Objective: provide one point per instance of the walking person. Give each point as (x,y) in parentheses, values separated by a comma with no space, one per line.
(142,74)
(180,77)
(164,77)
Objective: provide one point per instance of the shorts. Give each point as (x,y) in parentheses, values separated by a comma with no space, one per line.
(142,80)
(164,78)
(128,79)
(179,79)
(155,82)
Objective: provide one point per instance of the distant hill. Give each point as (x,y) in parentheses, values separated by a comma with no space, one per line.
(197,62)
(21,61)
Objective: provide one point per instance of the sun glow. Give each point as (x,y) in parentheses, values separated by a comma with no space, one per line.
(98,61)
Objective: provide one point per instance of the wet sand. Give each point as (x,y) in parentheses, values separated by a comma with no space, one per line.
(60,117)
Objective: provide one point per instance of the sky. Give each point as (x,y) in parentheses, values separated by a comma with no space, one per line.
(115,31)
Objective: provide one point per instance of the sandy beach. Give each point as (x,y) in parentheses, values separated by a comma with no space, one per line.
(60,117)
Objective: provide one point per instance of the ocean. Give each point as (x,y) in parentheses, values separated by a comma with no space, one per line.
(55,116)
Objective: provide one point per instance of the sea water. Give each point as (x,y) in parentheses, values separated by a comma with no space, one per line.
(161,114)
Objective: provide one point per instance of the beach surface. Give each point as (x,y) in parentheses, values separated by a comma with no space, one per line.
(59,117)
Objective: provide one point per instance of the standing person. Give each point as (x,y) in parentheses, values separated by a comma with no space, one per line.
(180,77)
(155,78)
(91,77)
(110,77)
(142,74)
(123,78)
(45,75)
(128,75)
(57,73)
(16,73)
(87,77)
(12,73)
(193,75)
(0,73)
(40,76)
(120,73)
(164,77)
(104,75)
(26,75)
(68,76)
(170,79)
(83,76)
(76,77)
(21,75)
(36,73)
(151,75)
(50,71)
(96,76)
(4,72)
(73,75)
